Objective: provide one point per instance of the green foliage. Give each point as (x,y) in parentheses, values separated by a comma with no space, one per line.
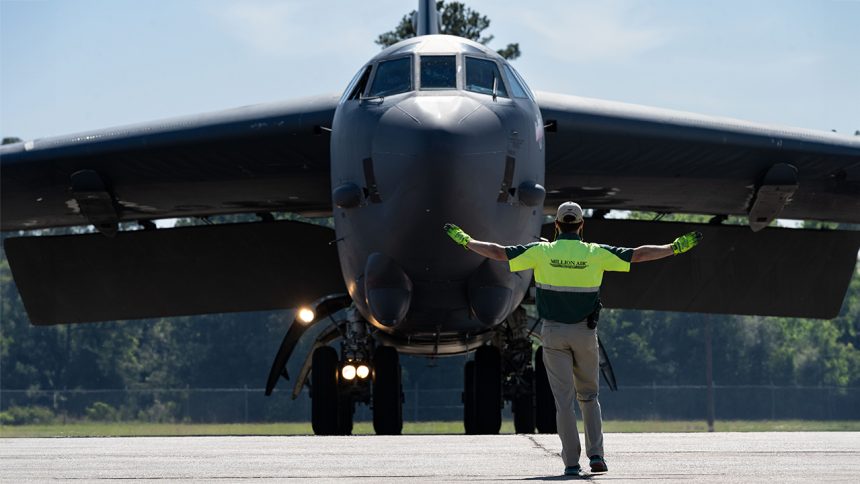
(27,416)
(457,19)
(159,412)
(101,412)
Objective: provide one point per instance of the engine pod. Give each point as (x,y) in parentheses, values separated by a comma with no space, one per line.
(387,288)
(490,291)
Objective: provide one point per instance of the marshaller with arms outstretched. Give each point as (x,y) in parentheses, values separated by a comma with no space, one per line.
(568,273)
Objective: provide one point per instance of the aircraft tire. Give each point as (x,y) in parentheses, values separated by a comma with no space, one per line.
(469,398)
(523,406)
(387,392)
(345,410)
(544,401)
(324,394)
(488,390)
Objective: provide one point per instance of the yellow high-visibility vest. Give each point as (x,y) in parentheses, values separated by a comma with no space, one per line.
(568,273)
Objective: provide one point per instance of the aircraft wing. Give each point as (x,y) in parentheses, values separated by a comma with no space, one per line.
(271,157)
(610,155)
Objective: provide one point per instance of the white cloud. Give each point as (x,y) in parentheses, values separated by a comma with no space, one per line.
(594,31)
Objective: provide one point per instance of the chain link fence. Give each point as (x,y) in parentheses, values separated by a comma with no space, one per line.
(228,405)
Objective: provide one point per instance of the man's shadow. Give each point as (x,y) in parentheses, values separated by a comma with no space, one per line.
(582,477)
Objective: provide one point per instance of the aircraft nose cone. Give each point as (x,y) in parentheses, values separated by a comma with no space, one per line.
(442,126)
(438,159)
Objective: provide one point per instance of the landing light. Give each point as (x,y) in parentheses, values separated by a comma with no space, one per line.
(348,372)
(362,371)
(306,315)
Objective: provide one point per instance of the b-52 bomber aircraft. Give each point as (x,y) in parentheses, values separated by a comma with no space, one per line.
(433,129)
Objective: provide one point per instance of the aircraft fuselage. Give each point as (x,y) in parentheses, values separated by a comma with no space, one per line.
(404,163)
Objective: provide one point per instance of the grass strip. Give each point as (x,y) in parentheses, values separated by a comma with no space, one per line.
(139,429)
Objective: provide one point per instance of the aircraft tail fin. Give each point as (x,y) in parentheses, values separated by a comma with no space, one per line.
(427,20)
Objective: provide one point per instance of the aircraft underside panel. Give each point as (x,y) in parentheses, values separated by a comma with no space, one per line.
(174,272)
(774,272)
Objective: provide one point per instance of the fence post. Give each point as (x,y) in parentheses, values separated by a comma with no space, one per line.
(654,399)
(772,401)
(246,402)
(415,402)
(709,373)
(56,405)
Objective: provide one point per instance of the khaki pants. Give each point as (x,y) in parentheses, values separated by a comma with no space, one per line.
(572,361)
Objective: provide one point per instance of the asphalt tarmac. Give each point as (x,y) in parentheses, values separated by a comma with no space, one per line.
(718,457)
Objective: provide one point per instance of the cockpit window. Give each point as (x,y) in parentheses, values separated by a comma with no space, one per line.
(438,72)
(392,77)
(357,85)
(481,75)
(518,89)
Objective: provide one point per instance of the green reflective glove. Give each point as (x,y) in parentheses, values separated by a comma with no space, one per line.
(686,242)
(457,235)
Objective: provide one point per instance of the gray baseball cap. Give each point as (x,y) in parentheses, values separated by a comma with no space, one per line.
(569,213)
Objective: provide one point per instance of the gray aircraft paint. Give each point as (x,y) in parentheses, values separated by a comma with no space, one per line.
(437,156)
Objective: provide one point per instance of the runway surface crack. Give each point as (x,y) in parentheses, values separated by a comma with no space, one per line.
(540,446)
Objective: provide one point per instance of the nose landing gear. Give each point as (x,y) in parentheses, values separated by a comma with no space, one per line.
(335,391)
(338,386)
(362,373)
(331,406)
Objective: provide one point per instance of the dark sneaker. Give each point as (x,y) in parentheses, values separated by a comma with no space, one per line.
(597,464)
(573,470)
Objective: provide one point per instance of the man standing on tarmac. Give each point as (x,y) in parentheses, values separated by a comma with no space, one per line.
(568,273)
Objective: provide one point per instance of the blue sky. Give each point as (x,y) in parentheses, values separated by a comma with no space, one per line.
(68,66)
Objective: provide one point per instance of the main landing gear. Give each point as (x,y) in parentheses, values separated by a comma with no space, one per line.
(504,371)
(482,393)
